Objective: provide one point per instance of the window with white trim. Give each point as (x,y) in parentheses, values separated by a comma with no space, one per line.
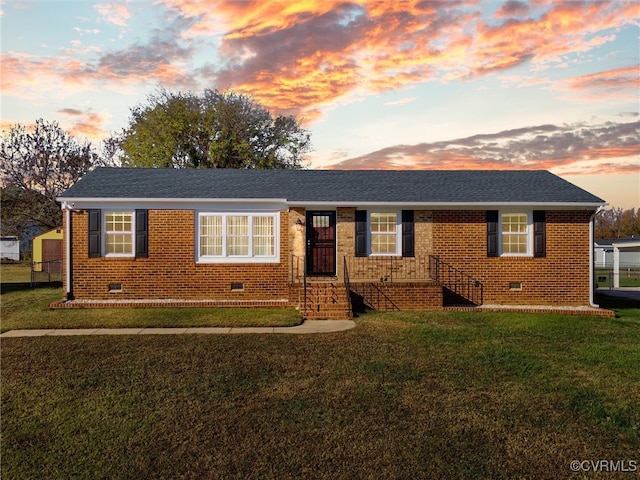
(384,233)
(264,235)
(211,236)
(119,234)
(515,233)
(238,237)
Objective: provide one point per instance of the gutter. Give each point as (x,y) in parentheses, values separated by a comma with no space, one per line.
(591,266)
(68,264)
(199,203)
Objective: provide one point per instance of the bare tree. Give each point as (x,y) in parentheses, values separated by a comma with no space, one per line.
(37,165)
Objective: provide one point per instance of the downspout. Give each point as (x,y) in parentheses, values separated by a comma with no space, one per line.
(591,266)
(68,263)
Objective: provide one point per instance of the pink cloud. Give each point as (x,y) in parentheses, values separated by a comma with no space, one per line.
(574,148)
(617,82)
(83,123)
(115,13)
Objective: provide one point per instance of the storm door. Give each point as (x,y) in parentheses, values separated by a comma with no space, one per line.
(321,243)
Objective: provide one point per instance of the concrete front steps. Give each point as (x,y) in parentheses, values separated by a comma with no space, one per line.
(326,301)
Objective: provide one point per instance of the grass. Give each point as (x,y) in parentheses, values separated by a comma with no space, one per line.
(404,395)
(27,308)
(24,307)
(15,273)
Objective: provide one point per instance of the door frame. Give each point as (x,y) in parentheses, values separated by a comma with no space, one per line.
(309,267)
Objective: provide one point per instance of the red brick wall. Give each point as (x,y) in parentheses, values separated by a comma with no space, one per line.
(457,237)
(560,278)
(171,271)
(404,295)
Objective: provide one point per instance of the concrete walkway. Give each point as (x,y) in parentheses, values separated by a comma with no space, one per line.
(310,326)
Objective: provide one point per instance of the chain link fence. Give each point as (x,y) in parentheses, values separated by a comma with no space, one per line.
(46,272)
(628,277)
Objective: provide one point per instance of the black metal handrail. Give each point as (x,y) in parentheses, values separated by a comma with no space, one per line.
(298,274)
(374,297)
(347,285)
(388,269)
(456,280)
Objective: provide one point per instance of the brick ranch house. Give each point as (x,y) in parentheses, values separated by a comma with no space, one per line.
(328,241)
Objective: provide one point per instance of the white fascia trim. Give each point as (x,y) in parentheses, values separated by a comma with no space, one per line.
(453,205)
(626,244)
(282,203)
(170,200)
(258,204)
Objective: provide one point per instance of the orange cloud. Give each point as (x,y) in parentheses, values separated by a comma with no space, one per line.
(5,125)
(331,51)
(86,124)
(620,82)
(29,76)
(78,123)
(324,51)
(300,57)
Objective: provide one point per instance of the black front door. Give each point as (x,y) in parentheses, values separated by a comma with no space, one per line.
(321,243)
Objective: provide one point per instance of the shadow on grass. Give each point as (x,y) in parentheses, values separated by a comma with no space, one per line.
(22,286)
(616,303)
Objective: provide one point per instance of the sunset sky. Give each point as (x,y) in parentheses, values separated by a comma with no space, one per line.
(380,84)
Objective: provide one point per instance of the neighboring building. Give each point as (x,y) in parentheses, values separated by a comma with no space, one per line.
(603,253)
(9,248)
(46,251)
(620,256)
(629,256)
(393,239)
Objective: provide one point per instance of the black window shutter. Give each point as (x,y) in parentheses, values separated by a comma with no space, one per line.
(361,233)
(95,241)
(492,233)
(142,233)
(407,233)
(539,234)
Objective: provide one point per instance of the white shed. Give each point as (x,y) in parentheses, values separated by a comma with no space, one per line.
(10,248)
(629,246)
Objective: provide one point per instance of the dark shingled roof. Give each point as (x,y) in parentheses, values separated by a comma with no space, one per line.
(384,186)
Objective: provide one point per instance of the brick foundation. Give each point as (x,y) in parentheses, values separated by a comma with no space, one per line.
(384,296)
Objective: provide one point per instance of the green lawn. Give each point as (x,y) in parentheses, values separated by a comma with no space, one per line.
(451,395)
(25,307)
(15,273)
